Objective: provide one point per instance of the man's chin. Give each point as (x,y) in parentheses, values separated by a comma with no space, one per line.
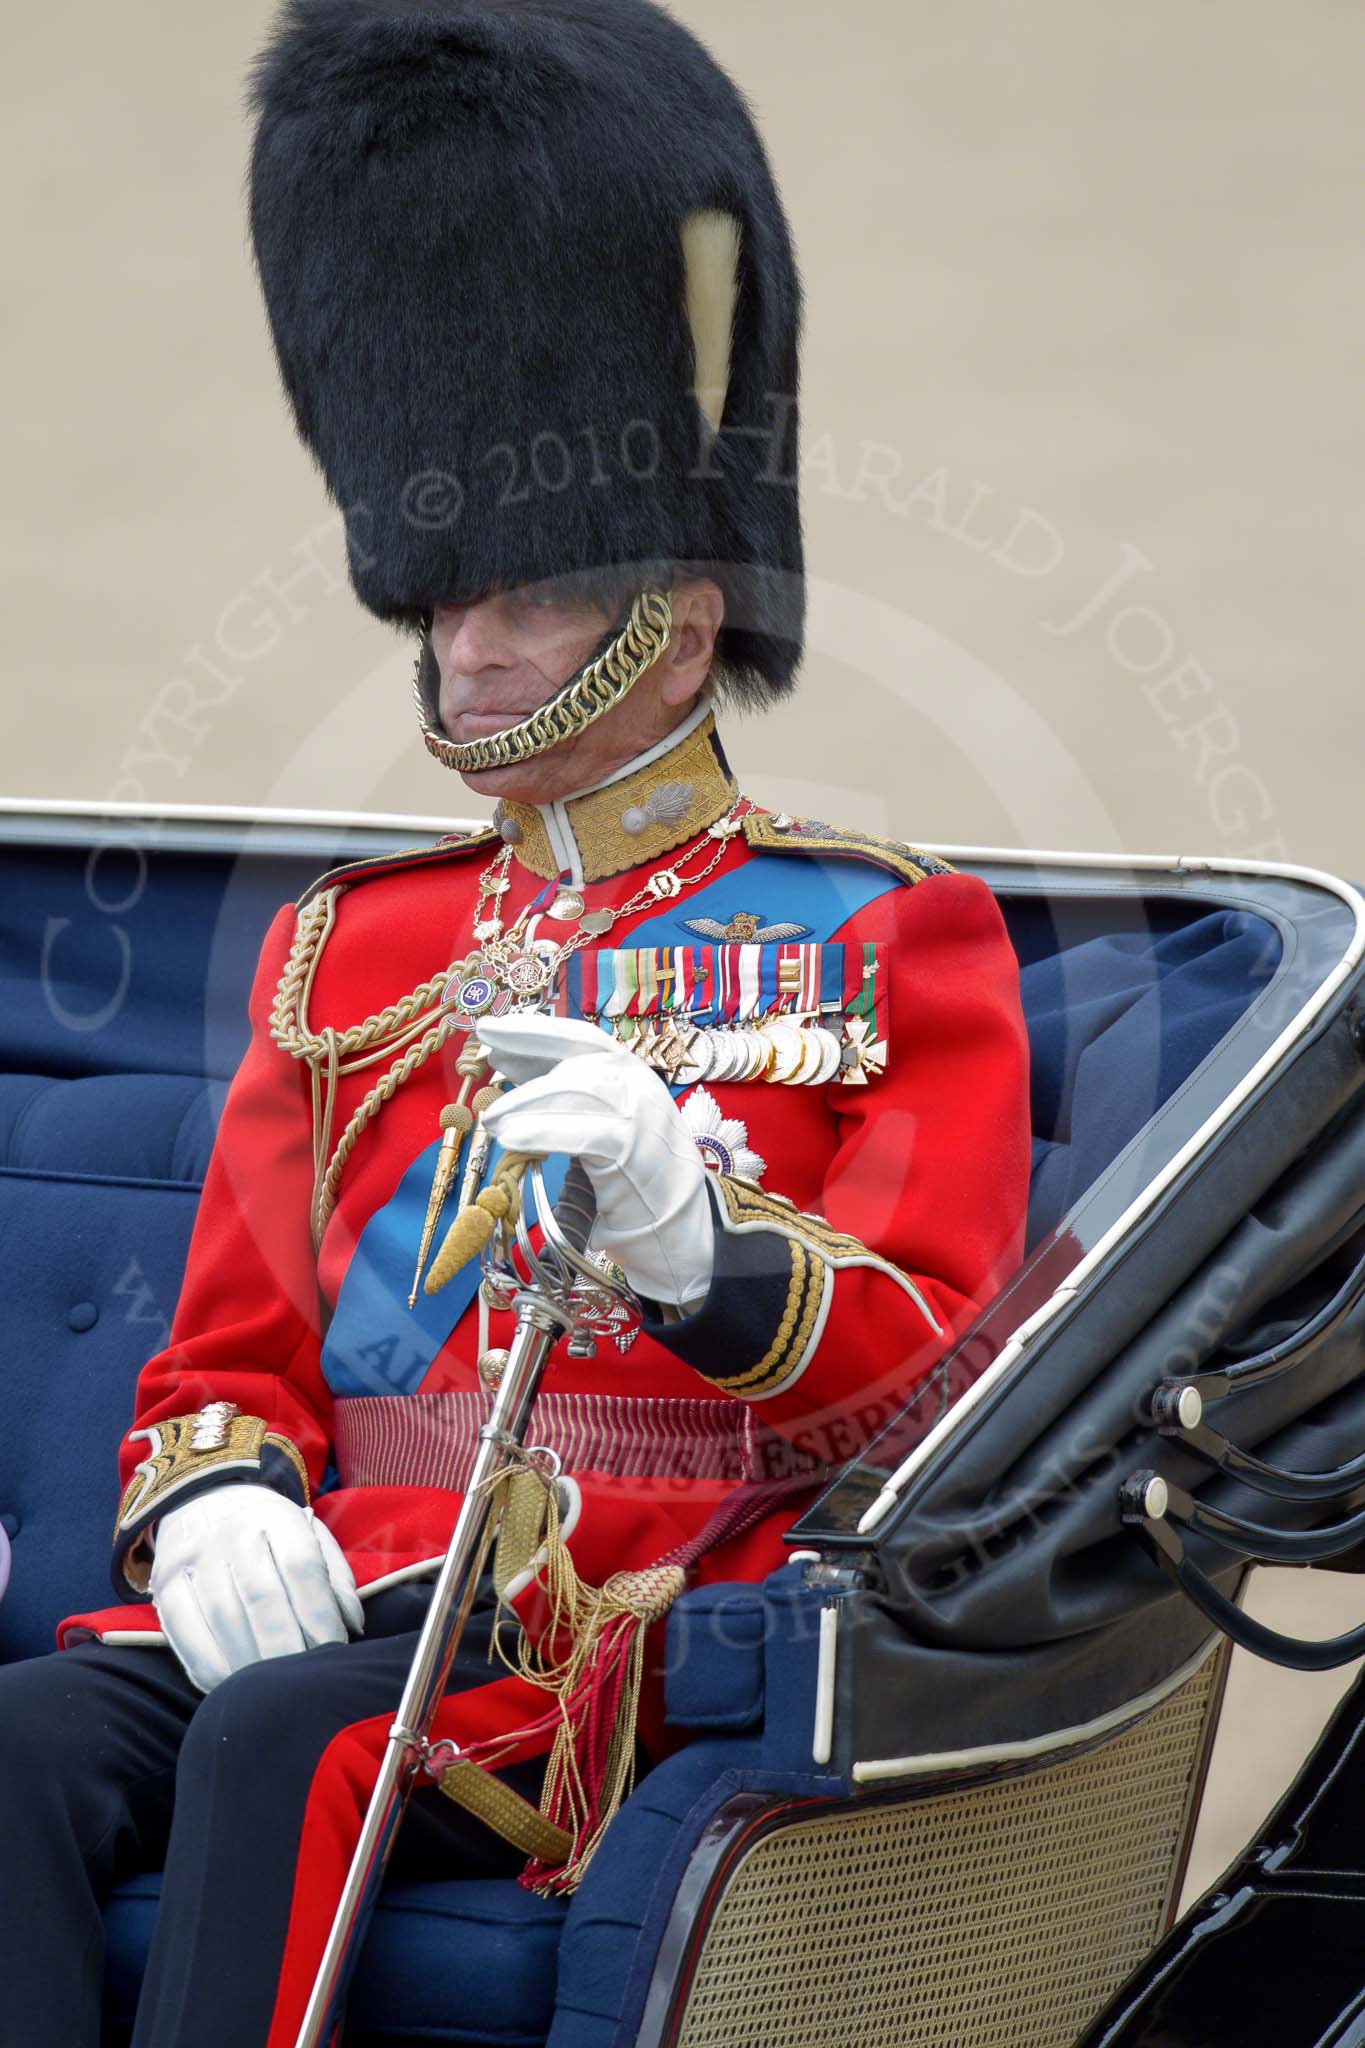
(528,782)
(469,728)
(536,780)
(492,781)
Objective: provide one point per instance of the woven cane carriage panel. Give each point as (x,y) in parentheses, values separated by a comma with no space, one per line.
(998,1918)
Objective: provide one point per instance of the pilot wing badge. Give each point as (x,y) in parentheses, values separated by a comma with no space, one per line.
(745,928)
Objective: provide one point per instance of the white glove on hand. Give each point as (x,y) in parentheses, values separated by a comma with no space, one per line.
(241,1573)
(580,1093)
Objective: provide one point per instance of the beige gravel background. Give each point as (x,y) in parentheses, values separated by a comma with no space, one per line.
(1082,413)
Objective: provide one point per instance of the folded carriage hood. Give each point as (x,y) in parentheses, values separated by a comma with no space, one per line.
(1002,1601)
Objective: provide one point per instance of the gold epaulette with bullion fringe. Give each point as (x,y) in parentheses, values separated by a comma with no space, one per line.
(450,848)
(777,832)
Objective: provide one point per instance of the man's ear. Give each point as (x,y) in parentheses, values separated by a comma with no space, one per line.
(698,612)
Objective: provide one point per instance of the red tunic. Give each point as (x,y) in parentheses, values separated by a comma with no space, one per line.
(920,1177)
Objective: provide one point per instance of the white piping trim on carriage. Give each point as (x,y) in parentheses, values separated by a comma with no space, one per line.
(822,1740)
(229,814)
(935,1761)
(1138,1207)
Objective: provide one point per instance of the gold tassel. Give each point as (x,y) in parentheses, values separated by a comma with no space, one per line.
(590,1621)
(456,1120)
(473,1227)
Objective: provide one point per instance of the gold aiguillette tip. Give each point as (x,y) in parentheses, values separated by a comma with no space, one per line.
(456,1120)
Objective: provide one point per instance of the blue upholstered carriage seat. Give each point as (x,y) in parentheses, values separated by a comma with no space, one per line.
(121,1018)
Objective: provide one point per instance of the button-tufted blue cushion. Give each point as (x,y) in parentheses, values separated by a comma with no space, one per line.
(124,972)
(99,1179)
(154,1129)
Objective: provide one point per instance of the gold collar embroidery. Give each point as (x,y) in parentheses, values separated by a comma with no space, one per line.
(626,823)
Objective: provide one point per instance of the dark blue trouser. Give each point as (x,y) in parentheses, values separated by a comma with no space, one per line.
(112,1763)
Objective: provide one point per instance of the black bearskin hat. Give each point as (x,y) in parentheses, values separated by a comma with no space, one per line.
(534,300)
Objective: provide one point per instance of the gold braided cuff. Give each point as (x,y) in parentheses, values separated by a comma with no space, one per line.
(189,1454)
(775,1272)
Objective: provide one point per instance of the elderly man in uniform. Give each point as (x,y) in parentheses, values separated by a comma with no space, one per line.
(536,313)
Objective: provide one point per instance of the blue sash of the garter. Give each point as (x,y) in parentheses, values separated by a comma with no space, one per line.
(375,1343)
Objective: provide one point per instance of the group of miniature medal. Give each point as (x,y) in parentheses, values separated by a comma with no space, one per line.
(769,1049)
(792,1051)
(800,1032)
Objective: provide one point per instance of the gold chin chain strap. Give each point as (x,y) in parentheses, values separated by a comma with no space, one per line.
(583,699)
(420,1023)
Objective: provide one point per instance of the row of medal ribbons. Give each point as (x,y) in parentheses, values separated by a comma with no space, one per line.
(800,1014)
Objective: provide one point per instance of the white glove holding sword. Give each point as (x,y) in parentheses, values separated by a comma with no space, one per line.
(577,1092)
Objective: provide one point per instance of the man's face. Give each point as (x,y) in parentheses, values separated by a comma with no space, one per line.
(503,656)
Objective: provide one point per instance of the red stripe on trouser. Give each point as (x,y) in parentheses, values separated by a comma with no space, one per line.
(337,1801)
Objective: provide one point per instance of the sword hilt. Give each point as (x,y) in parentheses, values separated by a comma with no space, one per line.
(576,1210)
